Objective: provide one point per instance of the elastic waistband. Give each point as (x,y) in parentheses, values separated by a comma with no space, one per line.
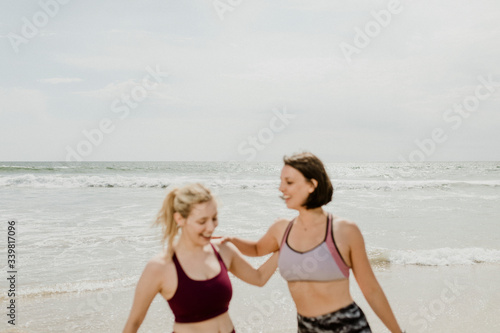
(231,331)
(351,306)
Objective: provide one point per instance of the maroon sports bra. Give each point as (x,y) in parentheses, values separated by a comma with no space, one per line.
(198,300)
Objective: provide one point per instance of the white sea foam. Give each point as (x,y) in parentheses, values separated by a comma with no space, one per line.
(33,167)
(79,181)
(356,184)
(59,181)
(435,257)
(74,287)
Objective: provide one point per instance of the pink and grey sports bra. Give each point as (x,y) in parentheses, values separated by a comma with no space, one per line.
(322,263)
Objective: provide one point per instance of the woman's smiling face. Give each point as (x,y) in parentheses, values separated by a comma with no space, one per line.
(295,187)
(201,222)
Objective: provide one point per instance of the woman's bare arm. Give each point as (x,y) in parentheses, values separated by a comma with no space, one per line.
(265,245)
(148,286)
(243,270)
(366,279)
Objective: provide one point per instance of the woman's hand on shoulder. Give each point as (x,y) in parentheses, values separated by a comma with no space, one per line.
(268,243)
(227,250)
(232,257)
(220,239)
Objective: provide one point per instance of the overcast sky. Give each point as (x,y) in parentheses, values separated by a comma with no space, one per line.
(249,80)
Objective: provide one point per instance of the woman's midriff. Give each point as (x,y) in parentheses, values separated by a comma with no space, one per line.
(219,324)
(317,298)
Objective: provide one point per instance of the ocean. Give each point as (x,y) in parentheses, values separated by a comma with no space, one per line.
(83,234)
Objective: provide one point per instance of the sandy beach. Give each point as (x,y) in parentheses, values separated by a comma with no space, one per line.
(425,299)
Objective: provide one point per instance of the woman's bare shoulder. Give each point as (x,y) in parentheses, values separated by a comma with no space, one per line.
(345,227)
(225,249)
(280,224)
(160,262)
(162,272)
(277,229)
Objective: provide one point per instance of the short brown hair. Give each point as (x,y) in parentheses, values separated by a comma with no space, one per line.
(311,167)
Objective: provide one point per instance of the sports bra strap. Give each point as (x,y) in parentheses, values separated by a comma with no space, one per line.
(329,233)
(179,267)
(218,255)
(329,222)
(285,235)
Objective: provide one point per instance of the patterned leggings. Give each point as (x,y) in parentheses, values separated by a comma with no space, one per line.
(349,319)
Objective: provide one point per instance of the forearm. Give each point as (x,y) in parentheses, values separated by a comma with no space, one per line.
(131,327)
(267,269)
(247,247)
(380,305)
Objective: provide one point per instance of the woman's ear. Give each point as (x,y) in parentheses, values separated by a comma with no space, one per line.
(179,219)
(315,185)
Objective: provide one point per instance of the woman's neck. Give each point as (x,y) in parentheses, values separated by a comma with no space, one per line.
(311,217)
(187,246)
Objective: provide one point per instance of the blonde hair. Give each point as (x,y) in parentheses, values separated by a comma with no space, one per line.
(180,200)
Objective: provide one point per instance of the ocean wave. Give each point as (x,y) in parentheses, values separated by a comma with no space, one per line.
(435,257)
(223,181)
(74,288)
(34,168)
(56,181)
(79,181)
(395,185)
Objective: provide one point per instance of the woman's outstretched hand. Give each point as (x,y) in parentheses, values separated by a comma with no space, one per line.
(247,247)
(221,239)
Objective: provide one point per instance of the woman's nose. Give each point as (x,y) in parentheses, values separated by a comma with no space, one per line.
(211,225)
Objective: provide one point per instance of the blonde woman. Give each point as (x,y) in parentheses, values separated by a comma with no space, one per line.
(192,275)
